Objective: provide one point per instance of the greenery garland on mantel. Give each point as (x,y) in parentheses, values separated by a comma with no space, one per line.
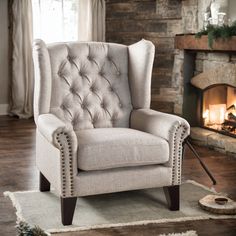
(216,32)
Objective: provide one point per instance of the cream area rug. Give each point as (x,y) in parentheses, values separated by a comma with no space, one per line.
(111,210)
(188,233)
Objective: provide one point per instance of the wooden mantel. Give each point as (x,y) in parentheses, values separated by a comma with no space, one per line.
(190,42)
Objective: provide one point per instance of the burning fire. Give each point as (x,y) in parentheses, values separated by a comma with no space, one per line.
(217,113)
(219,109)
(220,117)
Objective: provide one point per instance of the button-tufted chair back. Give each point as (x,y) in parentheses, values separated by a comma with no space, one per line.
(86,84)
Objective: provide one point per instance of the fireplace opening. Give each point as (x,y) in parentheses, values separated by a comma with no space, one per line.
(219,109)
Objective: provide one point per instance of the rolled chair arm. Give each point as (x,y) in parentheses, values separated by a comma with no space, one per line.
(158,123)
(63,137)
(172,128)
(51,127)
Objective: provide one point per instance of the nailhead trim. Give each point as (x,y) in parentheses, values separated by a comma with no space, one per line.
(63,163)
(177,155)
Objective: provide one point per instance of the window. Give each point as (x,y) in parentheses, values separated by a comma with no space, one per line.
(55,20)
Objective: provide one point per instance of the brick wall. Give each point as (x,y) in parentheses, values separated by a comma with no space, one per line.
(157,20)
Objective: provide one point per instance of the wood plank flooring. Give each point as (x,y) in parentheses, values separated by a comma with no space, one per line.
(18,172)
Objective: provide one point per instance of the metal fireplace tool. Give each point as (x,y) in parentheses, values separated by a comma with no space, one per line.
(199,159)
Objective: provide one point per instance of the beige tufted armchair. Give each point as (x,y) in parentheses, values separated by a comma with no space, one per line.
(95,130)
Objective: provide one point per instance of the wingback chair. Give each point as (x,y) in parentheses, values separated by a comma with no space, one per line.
(96,132)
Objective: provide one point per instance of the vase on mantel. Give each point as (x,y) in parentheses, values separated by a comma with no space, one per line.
(216,7)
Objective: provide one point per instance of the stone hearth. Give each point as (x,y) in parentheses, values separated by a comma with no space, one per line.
(216,141)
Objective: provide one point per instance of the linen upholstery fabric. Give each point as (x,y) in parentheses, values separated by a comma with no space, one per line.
(67,106)
(90,84)
(43,82)
(127,147)
(122,179)
(85,183)
(172,128)
(141,56)
(56,148)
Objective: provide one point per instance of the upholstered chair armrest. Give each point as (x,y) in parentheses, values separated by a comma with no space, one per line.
(57,146)
(170,127)
(51,127)
(158,123)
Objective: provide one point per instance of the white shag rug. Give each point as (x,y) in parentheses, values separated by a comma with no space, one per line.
(140,207)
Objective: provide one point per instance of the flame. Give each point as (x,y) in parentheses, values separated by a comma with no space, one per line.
(217,113)
(205,114)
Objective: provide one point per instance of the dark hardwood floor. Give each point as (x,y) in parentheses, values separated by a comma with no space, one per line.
(18,172)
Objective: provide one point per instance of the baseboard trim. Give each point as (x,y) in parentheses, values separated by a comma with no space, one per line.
(4,109)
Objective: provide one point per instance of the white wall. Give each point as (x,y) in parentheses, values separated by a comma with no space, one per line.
(4,59)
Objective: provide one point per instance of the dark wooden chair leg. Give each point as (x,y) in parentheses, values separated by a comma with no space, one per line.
(67,209)
(44,184)
(172,197)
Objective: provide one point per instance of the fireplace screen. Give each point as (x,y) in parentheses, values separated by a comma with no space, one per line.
(219,109)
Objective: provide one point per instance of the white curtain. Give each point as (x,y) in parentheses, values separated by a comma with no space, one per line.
(91,20)
(22,63)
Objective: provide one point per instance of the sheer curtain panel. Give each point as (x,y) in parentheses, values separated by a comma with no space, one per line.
(92,20)
(22,62)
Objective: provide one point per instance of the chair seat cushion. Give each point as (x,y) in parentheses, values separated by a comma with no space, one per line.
(106,148)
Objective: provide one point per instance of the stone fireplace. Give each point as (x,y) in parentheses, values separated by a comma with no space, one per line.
(209,90)
(217,98)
